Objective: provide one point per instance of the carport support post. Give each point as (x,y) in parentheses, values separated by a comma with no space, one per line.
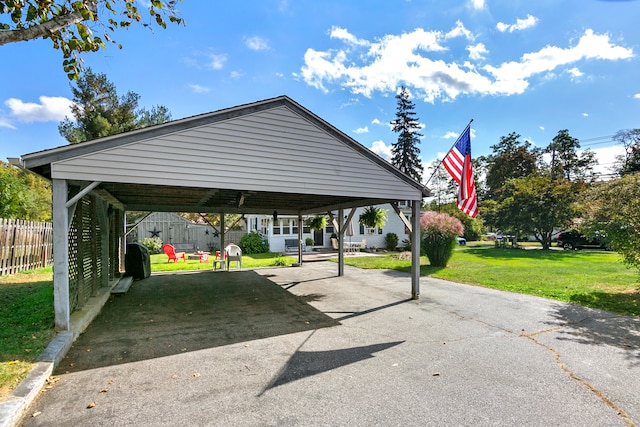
(300,240)
(415,249)
(60,255)
(341,242)
(222,236)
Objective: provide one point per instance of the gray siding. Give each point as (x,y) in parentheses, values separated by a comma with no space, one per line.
(272,150)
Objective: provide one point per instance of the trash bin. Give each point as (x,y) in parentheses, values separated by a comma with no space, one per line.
(137,262)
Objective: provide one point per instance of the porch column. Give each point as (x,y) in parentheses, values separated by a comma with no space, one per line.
(60,255)
(341,242)
(415,249)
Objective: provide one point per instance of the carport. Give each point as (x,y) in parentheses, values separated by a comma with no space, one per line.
(269,157)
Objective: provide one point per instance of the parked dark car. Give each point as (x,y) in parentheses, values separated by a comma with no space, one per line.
(572,239)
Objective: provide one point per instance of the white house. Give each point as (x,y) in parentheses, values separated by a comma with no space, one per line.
(284,228)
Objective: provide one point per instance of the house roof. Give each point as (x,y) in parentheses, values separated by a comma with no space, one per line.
(270,155)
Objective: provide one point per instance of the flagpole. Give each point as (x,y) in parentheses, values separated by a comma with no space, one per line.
(453,145)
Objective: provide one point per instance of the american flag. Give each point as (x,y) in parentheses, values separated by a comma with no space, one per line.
(458,163)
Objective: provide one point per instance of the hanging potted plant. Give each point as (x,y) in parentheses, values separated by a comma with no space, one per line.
(317,223)
(373,217)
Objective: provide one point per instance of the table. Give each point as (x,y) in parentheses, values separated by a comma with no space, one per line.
(204,256)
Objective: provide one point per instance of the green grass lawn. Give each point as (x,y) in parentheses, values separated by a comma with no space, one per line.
(591,278)
(596,279)
(26,323)
(269,259)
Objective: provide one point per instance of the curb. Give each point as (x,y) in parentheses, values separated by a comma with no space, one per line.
(12,410)
(15,406)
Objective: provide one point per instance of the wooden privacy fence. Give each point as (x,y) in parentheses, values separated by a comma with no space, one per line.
(24,245)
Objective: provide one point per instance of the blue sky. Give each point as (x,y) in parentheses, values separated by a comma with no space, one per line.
(531,67)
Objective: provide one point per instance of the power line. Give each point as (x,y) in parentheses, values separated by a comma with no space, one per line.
(596,138)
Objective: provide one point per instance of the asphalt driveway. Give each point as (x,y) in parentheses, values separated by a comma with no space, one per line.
(300,346)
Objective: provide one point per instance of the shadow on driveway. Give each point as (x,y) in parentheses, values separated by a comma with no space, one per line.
(172,313)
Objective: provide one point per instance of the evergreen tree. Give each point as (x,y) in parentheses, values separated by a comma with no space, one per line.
(405,151)
(99,112)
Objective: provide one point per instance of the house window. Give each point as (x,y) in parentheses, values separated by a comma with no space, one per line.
(367,230)
(264,226)
(286,226)
(294,226)
(276,227)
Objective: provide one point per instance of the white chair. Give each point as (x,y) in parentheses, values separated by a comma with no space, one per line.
(234,253)
(219,260)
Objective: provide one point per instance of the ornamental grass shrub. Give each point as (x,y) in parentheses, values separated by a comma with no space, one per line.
(439,232)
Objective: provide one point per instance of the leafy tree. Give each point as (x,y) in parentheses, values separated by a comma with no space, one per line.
(99,112)
(630,162)
(537,204)
(565,160)
(70,24)
(405,150)
(231,221)
(613,208)
(511,158)
(473,227)
(23,195)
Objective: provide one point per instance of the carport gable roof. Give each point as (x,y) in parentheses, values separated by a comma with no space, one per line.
(254,158)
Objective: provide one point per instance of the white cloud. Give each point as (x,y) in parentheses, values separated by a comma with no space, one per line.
(575,72)
(378,122)
(637,96)
(256,43)
(5,123)
(381,149)
(50,108)
(459,31)
(477,4)
(236,75)
(362,130)
(585,114)
(607,158)
(541,127)
(344,35)
(476,52)
(521,24)
(199,89)
(511,77)
(412,59)
(216,62)
(450,135)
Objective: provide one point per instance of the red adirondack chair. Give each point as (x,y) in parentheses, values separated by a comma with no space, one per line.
(171,253)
